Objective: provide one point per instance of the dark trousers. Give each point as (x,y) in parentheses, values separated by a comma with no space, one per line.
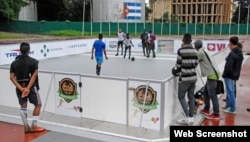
(120,44)
(145,48)
(183,89)
(129,51)
(210,94)
(151,47)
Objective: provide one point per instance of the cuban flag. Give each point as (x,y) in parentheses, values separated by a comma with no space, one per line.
(132,11)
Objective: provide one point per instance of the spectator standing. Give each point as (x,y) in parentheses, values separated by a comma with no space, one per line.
(231,73)
(210,70)
(187,60)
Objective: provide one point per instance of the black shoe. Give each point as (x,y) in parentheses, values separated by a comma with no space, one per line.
(116,54)
(153,56)
(97,72)
(122,54)
(248,109)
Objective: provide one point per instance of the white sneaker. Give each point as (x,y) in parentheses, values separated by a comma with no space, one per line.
(190,119)
(186,121)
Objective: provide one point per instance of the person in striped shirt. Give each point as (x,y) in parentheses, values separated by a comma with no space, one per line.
(187,61)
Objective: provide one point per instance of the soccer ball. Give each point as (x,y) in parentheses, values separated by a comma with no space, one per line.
(176,71)
(133,59)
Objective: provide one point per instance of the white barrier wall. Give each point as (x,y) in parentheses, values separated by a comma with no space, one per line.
(172,108)
(104,98)
(145,115)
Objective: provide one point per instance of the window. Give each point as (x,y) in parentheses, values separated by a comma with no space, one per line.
(194,8)
(189,9)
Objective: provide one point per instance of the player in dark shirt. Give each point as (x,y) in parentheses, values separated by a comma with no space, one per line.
(144,41)
(24,75)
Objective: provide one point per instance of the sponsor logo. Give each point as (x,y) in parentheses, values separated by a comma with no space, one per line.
(16,52)
(77,46)
(216,46)
(45,51)
(150,96)
(67,89)
(113,44)
(139,45)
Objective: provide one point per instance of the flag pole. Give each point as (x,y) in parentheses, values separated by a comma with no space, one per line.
(248,17)
(169,21)
(195,22)
(153,28)
(221,20)
(109,17)
(212,22)
(186,27)
(135,23)
(101,17)
(127,25)
(144,23)
(178,19)
(162,11)
(83,17)
(239,21)
(230,24)
(91,19)
(204,20)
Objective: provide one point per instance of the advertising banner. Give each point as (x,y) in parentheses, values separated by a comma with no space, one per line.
(111,44)
(43,50)
(151,110)
(213,46)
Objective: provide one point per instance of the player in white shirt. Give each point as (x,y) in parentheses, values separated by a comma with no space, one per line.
(128,43)
(121,36)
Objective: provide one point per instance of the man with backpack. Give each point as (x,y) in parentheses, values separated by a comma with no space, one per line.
(210,70)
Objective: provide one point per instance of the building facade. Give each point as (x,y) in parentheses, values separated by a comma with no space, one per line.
(195,11)
(118,10)
(29,12)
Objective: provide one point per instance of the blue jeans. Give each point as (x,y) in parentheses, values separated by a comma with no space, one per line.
(189,89)
(210,94)
(230,90)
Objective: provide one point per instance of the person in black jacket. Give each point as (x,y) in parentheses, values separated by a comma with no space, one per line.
(231,73)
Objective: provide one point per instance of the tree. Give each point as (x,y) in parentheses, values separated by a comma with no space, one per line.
(62,10)
(242,7)
(148,11)
(9,9)
(165,18)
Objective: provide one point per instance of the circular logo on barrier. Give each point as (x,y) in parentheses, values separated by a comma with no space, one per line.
(148,94)
(67,89)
